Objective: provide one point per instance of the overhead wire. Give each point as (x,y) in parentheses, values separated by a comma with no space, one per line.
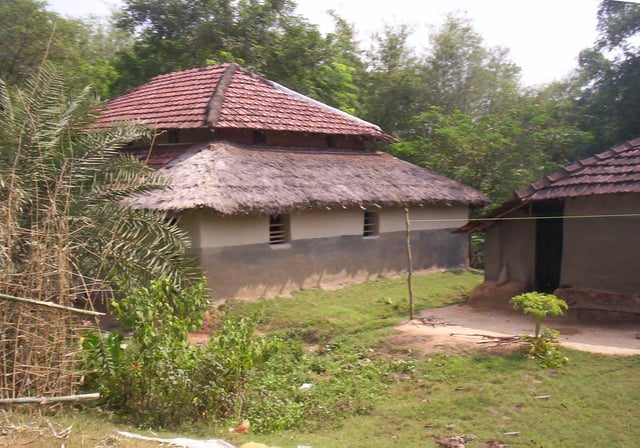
(531,218)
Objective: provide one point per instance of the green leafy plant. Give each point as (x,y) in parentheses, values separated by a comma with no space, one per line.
(154,377)
(543,346)
(539,305)
(145,377)
(226,365)
(306,390)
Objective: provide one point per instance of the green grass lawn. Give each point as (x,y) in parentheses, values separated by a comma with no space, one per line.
(367,392)
(594,401)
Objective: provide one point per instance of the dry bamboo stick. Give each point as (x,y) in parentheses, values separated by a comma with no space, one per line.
(50,305)
(45,400)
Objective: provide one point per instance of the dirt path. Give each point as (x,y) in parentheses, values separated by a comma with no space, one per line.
(460,327)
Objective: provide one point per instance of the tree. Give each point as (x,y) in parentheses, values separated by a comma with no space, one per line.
(608,78)
(265,36)
(66,230)
(463,75)
(30,34)
(487,153)
(494,153)
(393,86)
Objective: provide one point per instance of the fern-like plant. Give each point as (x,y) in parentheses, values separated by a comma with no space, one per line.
(65,228)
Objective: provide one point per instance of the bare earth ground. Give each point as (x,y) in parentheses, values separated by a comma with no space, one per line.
(463,328)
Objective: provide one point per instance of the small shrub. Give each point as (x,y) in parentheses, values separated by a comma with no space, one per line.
(545,348)
(145,377)
(539,305)
(542,346)
(154,377)
(226,365)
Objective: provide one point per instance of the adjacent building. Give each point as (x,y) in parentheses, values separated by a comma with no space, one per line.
(574,233)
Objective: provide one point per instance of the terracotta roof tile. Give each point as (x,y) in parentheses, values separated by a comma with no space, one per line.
(614,171)
(227,96)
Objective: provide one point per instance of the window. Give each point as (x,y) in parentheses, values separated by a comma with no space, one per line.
(371,223)
(330,141)
(173,136)
(259,137)
(278,229)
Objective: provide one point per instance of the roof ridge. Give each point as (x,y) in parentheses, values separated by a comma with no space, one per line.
(162,76)
(214,109)
(302,97)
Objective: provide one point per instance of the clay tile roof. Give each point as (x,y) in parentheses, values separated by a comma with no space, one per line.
(234,179)
(227,96)
(174,100)
(614,171)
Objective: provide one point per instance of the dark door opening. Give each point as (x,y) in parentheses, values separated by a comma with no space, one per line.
(548,244)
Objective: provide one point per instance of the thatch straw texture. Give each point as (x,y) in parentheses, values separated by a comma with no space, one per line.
(232,179)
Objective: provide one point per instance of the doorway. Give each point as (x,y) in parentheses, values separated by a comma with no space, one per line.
(548,244)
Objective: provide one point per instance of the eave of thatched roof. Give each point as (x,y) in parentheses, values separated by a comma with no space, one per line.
(231,180)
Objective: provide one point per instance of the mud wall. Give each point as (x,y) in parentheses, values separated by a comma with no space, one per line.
(511,243)
(261,270)
(602,253)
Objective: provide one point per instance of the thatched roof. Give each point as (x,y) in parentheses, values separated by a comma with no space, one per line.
(614,171)
(231,179)
(227,96)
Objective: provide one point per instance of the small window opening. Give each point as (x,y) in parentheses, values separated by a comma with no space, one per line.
(259,137)
(371,223)
(173,136)
(330,141)
(278,229)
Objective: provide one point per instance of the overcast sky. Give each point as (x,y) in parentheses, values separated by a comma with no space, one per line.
(544,37)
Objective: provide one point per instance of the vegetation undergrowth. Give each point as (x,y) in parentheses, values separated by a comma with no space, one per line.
(361,314)
(341,383)
(345,385)
(153,377)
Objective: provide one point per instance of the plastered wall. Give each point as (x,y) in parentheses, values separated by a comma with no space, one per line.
(211,230)
(430,217)
(258,270)
(326,249)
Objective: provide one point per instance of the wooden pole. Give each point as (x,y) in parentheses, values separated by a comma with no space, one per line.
(410,261)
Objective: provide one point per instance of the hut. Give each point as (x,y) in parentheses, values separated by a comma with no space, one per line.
(280,192)
(573,233)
